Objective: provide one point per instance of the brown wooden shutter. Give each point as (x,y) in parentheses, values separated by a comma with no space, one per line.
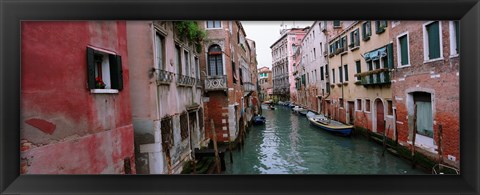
(90,68)
(116,72)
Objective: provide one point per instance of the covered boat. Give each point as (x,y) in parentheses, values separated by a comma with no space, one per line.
(330,125)
(259,120)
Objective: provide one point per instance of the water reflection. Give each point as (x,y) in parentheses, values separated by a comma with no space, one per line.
(288,144)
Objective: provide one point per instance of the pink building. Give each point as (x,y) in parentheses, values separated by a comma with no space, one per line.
(166,96)
(75,103)
(282,62)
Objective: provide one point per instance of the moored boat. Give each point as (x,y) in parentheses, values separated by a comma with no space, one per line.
(259,120)
(330,125)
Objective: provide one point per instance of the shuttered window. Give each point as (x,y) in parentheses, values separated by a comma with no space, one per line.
(359,69)
(104,70)
(159,48)
(433,33)
(403,41)
(336,23)
(366,31)
(178,58)
(321,73)
(345,69)
(340,74)
(333,75)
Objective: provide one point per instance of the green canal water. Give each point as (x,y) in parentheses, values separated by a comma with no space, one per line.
(288,144)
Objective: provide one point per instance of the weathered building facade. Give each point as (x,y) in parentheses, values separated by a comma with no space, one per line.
(361,59)
(425,87)
(282,63)
(225,67)
(166,96)
(265,82)
(311,67)
(75,119)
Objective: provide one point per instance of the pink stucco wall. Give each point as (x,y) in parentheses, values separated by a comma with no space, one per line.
(64,127)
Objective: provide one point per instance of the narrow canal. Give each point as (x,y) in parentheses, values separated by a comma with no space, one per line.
(288,144)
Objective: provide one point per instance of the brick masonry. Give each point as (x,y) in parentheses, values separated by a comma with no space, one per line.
(440,78)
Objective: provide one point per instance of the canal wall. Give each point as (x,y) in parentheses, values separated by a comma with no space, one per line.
(421,159)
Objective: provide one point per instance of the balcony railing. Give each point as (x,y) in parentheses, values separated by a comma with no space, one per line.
(164,77)
(216,83)
(183,80)
(375,77)
(248,86)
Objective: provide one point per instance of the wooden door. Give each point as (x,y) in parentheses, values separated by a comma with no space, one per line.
(380,116)
(351,113)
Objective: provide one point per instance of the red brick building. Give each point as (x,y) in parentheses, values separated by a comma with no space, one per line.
(75,103)
(426,77)
(225,67)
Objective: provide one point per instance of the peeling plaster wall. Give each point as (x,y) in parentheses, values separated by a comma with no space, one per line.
(152,101)
(60,119)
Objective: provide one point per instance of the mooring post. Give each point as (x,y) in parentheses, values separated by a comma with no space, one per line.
(414,134)
(217,158)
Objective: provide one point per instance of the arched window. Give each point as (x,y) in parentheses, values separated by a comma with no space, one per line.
(215,62)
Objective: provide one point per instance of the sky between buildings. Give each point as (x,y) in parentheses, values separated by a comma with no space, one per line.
(265,33)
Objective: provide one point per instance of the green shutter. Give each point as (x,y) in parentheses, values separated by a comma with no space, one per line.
(345,68)
(363,30)
(359,69)
(404,49)
(390,55)
(352,38)
(90,68)
(433,40)
(116,72)
(340,75)
(333,75)
(457,35)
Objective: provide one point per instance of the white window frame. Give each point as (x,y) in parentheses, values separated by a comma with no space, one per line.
(425,42)
(453,39)
(206,24)
(356,105)
(106,77)
(356,78)
(395,23)
(365,105)
(399,56)
(386,113)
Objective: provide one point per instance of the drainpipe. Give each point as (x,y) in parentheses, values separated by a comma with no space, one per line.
(343,98)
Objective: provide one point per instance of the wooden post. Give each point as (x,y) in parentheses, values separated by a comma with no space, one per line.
(395,126)
(440,150)
(230,146)
(217,158)
(414,134)
(385,140)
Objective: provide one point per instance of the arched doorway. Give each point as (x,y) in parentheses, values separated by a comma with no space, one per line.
(380,116)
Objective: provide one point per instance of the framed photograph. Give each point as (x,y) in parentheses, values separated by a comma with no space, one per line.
(227,97)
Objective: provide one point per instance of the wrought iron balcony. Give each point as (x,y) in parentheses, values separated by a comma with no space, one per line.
(248,86)
(183,80)
(215,83)
(164,77)
(375,77)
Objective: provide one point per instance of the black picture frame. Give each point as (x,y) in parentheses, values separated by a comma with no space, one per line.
(12,12)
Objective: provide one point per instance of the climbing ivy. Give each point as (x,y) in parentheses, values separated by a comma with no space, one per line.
(192,32)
